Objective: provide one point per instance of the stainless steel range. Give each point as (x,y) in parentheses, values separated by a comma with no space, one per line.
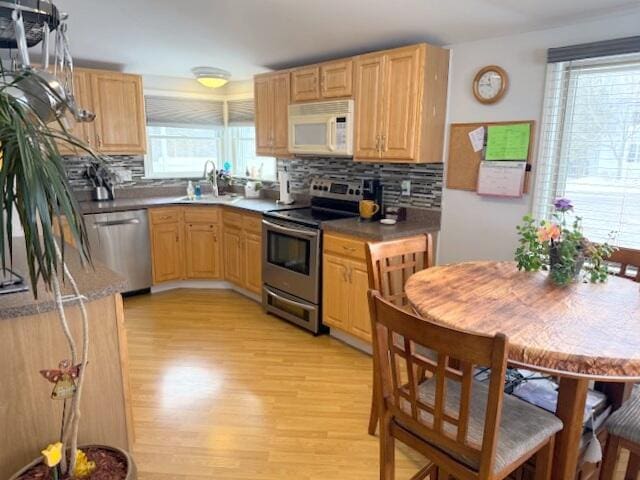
(292,251)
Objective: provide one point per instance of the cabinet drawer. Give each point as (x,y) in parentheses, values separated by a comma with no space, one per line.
(202,215)
(165,215)
(252,223)
(346,246)
(232,218)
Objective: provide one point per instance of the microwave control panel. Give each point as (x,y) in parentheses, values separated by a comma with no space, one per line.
(341,133)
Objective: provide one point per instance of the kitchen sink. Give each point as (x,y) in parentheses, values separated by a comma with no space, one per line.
(210,199)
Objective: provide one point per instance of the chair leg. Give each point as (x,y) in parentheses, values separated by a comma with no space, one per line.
(387,450)
(373,416)
(610,458)
(544,460)
(633,468)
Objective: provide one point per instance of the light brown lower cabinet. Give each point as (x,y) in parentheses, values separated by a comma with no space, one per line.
(166,244)
(233,262)
(202,248)
(206,243)
(243,250)
(345,286)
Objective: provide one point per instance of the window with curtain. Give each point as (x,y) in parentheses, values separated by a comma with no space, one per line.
(184,133)
(590,149)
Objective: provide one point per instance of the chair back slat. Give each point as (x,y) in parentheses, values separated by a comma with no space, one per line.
(625,258)
(390,264)
(439,410)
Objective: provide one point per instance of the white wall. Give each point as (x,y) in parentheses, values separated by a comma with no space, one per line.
(475,227)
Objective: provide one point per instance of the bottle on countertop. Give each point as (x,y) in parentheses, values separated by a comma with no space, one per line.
(190,190)
(198,190)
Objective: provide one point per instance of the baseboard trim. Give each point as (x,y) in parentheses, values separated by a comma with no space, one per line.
(351,341)
(205,284)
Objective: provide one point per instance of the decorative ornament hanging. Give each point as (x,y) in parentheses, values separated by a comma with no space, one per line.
(64,378)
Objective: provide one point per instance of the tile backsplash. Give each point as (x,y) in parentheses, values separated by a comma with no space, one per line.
(426,179)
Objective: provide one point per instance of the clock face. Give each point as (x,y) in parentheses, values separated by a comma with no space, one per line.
(490,84)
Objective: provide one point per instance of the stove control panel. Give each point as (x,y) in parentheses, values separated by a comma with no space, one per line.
(336,189)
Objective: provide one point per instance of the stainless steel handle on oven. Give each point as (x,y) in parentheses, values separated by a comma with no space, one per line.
(286,300)
(113,223)
(293,231)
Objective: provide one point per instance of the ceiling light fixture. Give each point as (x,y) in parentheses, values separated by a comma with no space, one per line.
(211,77)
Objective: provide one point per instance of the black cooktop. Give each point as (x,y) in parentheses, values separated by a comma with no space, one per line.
(309,216)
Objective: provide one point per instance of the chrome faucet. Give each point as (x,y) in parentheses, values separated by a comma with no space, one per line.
(214,180)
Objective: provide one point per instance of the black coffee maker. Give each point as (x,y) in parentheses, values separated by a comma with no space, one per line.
(372,190)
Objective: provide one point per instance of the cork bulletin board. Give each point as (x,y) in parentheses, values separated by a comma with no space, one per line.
(463,163)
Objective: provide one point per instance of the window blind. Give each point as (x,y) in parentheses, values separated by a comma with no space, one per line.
(173,111)
(590,145)
(241,112)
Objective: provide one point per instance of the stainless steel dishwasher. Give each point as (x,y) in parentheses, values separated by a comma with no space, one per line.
(120,240)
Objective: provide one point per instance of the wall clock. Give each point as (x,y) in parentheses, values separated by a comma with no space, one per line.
(490,84)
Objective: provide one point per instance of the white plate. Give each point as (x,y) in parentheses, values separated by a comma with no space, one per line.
(388,221)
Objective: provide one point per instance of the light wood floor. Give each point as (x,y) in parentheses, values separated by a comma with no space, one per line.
(222,391)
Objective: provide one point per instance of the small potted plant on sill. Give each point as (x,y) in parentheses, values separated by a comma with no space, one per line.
(560,247)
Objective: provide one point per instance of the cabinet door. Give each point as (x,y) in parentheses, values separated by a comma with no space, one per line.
(336,79)
(280,94)
(120,120)
(202,250)
(335,292)
(233,264)
(305,84)
(368,106)
(263,115)
(401,100)
(82,131)
(253,262)
(359,317)
(166,252)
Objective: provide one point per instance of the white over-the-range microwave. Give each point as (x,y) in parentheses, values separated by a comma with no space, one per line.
(321,128)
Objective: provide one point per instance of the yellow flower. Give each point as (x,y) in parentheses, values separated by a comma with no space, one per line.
(52,454)
(84,466)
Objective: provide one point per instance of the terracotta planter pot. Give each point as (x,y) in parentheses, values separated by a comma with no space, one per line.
(131,466)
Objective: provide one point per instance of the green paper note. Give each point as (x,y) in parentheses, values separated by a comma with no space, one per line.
(508,142)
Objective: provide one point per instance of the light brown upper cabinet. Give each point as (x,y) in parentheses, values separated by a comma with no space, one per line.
(305,84)
(400,101)
(118,102)
(327,80)
(271,96)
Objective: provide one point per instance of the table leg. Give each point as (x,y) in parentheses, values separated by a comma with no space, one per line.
(572,398)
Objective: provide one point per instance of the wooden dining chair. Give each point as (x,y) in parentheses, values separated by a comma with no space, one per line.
(623,427)
(389,266)
(467,429)
(625,258)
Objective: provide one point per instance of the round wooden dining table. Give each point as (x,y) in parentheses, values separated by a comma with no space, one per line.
(581,332)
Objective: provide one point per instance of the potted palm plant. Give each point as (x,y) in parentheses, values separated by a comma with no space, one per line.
(34,186)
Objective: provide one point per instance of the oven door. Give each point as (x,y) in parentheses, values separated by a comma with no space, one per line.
(291,260)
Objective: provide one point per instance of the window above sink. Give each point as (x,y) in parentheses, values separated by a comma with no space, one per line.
(183,133)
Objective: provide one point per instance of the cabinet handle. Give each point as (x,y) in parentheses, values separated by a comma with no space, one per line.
(344,273)
(377,143)
(350,275)
(99,140)
(384,143)
(177,238)
(349,249)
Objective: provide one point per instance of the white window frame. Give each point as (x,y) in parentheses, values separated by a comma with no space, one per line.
(226,143)
(551,178)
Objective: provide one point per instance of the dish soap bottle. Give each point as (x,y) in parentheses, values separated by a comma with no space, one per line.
(190,190)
